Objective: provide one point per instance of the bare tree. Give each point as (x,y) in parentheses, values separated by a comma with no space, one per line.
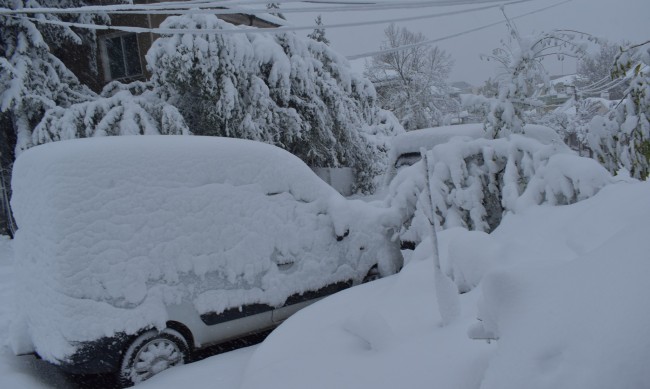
(521,74)
(412,82)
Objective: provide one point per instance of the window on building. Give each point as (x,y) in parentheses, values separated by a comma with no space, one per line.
(121,57)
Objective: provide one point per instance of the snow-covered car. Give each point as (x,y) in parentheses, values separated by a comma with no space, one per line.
(444,144)
(132,252)
(405,148)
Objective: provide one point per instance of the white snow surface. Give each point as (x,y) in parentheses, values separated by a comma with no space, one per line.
(111,230)
(566,296)
(564,287)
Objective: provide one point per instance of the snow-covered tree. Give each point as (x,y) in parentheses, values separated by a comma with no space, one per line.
(292,92)
(621,139)
(412,83)
(32,79)
(41,100)
(44,101)
(521,71)
(319,33)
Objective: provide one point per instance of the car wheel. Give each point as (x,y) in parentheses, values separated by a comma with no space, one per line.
(373,274)
(151,353)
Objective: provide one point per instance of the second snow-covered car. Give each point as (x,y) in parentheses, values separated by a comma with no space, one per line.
(134,251)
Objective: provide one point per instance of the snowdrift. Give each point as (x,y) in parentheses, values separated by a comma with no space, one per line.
(567,298)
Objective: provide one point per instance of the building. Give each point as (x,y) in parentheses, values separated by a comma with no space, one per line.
(121,55)
(561,89)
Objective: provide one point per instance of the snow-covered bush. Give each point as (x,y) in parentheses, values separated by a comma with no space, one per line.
(474,182)
(292,92)
(131,109)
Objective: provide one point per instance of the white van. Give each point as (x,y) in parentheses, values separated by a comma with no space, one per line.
(135,251)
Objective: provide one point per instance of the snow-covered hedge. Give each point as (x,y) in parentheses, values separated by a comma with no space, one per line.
(474,182)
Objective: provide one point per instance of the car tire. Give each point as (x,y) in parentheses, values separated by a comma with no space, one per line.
(150,353)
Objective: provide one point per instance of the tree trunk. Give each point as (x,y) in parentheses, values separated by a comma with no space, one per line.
(7,156)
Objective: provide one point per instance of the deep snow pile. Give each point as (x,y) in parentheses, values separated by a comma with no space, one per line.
(565,291)
(112,229)
(579,321)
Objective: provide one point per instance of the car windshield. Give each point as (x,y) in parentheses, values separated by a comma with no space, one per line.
(407,159)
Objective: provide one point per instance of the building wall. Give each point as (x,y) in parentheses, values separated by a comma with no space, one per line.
(94,74)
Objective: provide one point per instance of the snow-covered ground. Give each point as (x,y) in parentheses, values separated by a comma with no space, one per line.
(567,295)
(564,288)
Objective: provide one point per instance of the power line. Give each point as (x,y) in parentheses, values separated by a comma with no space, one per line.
(240,30)
(432,41)
(598,83)
(610,85)
(191,7)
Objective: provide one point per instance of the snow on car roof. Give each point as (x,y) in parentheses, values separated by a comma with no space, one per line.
(412,141)
(171,161)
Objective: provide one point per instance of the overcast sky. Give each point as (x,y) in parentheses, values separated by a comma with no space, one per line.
(615,20)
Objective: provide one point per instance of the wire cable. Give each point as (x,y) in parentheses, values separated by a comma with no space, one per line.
(432,41)
(610,85)
(177,8)
(242,30)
